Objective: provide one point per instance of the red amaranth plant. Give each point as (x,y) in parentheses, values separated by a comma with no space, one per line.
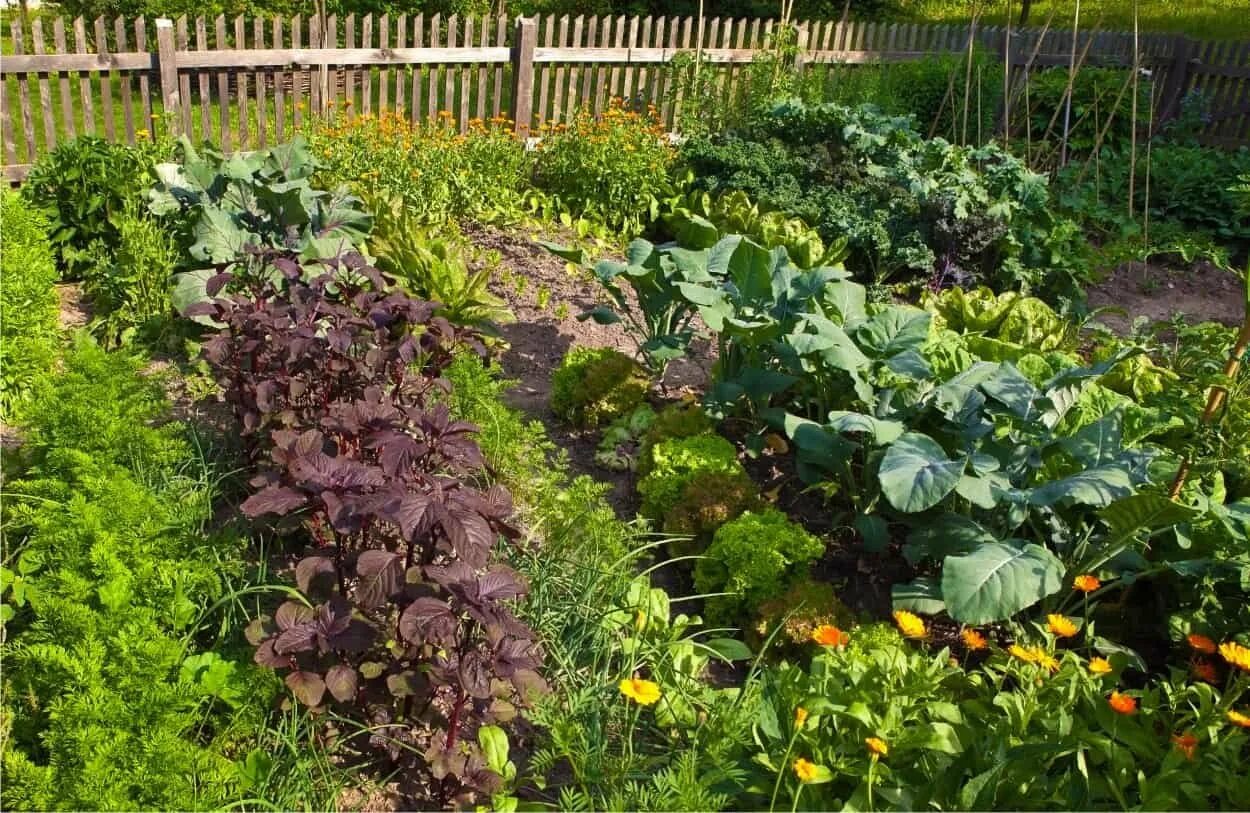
(407,620)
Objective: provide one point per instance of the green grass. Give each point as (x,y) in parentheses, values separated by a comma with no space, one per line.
(1204,19)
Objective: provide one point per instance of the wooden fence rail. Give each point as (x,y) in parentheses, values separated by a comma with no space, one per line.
(246,83)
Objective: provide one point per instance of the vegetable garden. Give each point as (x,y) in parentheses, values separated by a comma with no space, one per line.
(797,461)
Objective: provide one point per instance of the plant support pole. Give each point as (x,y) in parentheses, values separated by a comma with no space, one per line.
(1067,108)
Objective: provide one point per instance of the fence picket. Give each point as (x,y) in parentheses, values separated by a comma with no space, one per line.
(84,79)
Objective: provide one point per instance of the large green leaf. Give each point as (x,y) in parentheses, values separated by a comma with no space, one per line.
(894,329)
(881,431)
(916,474)
(1141,512)
(998,580)
(218,239)
(1098,487)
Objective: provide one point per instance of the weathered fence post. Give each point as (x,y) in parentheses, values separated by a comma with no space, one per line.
(167,65)
(523,75)
(1178,77)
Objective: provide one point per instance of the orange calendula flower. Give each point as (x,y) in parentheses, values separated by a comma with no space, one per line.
(909,624)
(804,770)
(1100,666)
(800,717)
(1205,671)
(1187,744)
(1061,625)
(642,692)
(1200,643)
(1122,703)
(829,635)
(1045,660)
(973,640)
(1236,654)
(1237,718)
(877,747)
(1086,583)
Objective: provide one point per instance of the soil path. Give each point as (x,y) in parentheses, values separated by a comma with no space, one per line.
(1201,292)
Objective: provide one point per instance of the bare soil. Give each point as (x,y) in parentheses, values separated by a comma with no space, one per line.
(547,297)
(1200,291)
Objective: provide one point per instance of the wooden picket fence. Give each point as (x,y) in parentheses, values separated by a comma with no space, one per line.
(246,83)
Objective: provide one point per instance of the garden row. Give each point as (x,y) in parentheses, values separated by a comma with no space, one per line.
(1071,524)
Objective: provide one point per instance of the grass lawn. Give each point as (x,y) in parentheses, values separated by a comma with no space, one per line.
(1204,19)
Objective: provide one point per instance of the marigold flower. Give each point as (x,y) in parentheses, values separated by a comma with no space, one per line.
(829,635)
(1237,718)
(1236,654)
(1045,660)
(804,770)
(800,717)
(1200,643)
(642,692)
(877,747)
(1122,703)
(909,624)
(1086,583)
(1061,625)
(1100,666)
(1206,672)
(1187,744)
(973,640)
(1017,651)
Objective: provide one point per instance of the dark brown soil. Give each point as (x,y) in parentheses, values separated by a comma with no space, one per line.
(1201,292)
(547,296)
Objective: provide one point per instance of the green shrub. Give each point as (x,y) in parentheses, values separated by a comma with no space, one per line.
(674,465)
(612,169)
(1093,96)
(106,706)
(83,185)
(438,173)
(674,421)
(28,301)
(753,558)
(707,502)
(129,286)
(594,386)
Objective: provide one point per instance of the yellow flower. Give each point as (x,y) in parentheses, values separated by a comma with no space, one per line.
(800,717)
(973,640)
(1099,666)
(1236,654)
(154,116)
(640,621)
(910,624)
(804,770)
(1060,625)
(142,134)
(642,692)
(1187,744)
(1045,660)
(1017,651)
(1086,583)
(1237,718)
(877,747)
(829,635)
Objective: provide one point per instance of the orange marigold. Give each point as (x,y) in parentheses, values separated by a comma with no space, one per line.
(1187,744)
(973,640)
(1061,625)
(1122,703)
(1236,654)
(800,717)
(829,635)
(804,770)
(1200,643)
(1205,671)
(1086,583)
(1017,651)
(877,747)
